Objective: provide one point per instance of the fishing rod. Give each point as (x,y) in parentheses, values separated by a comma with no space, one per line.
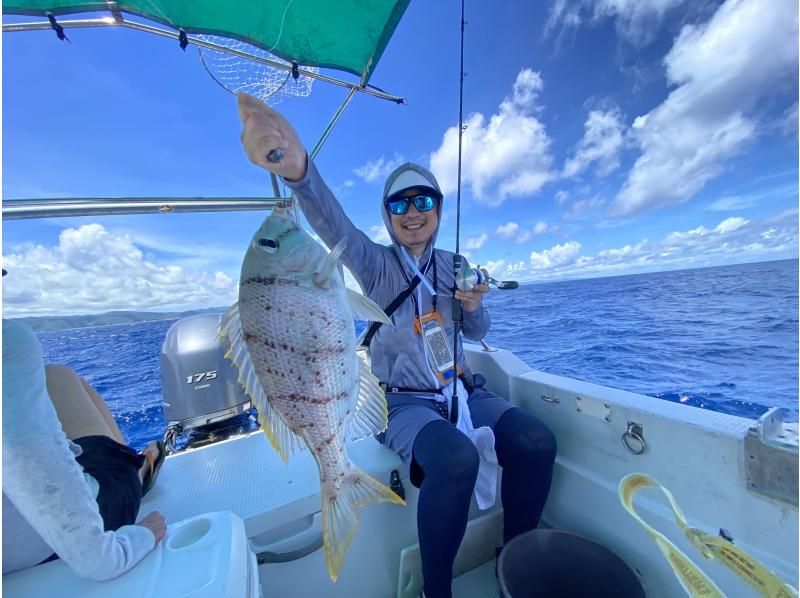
(465,278)
(458,261)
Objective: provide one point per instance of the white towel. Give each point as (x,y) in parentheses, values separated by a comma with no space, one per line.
(483,439)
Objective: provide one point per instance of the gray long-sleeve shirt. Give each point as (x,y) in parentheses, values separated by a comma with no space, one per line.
(398,354)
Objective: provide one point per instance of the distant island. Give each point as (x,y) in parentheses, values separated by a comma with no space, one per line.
(50,323)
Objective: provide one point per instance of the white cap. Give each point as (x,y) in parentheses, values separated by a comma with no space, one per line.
(409,176)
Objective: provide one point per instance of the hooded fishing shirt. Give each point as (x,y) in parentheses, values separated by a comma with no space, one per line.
(398,353)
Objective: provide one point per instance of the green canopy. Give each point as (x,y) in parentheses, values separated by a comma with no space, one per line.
(347,35)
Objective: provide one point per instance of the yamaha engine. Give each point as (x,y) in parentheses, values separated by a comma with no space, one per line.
(203,400)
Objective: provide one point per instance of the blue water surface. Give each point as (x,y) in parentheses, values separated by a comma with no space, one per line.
(724,339)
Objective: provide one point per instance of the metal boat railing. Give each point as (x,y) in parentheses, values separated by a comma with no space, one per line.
(18,209)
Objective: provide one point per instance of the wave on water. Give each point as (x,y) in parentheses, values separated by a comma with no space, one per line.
(724,339)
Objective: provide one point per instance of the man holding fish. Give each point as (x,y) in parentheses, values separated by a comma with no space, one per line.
(425,382)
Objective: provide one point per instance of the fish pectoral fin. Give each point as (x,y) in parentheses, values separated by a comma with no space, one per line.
(226,324)
(370,415)
(340,514)
(283,440)
(364,308)
(327,265)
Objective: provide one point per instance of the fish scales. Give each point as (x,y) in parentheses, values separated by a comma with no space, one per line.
(292,337)
(301,341)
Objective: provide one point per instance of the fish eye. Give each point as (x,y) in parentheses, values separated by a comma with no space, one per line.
(269,245)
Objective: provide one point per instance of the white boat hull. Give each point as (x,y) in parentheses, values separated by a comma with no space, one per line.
(701,456)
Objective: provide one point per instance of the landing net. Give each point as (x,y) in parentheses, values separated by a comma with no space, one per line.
(234,73)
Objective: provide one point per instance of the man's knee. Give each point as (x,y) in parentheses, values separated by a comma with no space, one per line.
(441,451)
(522,437)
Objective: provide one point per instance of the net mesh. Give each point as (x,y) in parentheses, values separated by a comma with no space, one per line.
(269,84)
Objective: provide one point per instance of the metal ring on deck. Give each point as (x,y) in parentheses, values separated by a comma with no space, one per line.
(634,432)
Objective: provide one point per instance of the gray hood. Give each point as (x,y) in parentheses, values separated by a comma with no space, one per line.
(407,176)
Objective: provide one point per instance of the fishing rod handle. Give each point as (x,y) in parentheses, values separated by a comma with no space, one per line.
(275,156)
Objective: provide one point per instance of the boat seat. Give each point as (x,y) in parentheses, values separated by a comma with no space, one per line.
(81,410)
(245,475)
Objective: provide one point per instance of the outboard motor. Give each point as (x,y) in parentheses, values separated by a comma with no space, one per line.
(202,397)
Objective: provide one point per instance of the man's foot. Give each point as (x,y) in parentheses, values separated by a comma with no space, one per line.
(154,455)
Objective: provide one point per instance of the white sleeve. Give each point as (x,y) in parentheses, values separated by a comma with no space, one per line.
(43,480)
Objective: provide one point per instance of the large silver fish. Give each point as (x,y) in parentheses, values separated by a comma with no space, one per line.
(292,337)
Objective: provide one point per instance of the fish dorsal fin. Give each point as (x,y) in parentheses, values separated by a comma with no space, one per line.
(364,308)
(283,440)
(370,415)
(328,264)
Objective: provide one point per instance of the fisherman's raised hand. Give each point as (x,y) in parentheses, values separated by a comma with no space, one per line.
(264,130)
(471,300)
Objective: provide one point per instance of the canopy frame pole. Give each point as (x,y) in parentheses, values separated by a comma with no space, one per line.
(334,120)
(119,21)
(19,209)
(22,209)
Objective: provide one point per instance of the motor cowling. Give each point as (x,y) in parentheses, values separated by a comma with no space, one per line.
(199,384)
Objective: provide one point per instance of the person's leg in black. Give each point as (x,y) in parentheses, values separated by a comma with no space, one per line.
(526,450)
(449,463)
(117,469)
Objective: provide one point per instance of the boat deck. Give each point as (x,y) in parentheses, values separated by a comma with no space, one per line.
(245,475)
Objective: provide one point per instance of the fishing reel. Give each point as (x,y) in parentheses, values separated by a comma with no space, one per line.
(468,278)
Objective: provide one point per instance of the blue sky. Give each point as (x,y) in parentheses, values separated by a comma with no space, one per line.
(603,138)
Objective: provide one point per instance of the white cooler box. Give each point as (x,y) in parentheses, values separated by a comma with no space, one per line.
(207,556)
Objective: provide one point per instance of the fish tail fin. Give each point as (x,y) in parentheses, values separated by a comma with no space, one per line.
(340,514)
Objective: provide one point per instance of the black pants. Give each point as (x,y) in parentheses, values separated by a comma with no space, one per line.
(526,451)
(116,469)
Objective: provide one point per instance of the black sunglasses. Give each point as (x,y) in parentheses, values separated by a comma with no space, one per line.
(399,205)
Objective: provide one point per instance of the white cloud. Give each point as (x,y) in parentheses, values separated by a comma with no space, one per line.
(476,242)
(508,230)
(743,202)
(562,196)
(789,124)
(350,281)
(722,69)
(379,234)
(512,230)
(504,155)
(635,20)
(583,208)
(343,190)
(733,240)
(729,203)
(378,170)
(92,270)
(190,255)
(495,267)
(560,255)
(731,224)
(523,236)
(603,139)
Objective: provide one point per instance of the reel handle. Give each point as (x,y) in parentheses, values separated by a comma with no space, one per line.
(503,285)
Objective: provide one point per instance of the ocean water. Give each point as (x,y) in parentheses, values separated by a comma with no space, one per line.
(724,339)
